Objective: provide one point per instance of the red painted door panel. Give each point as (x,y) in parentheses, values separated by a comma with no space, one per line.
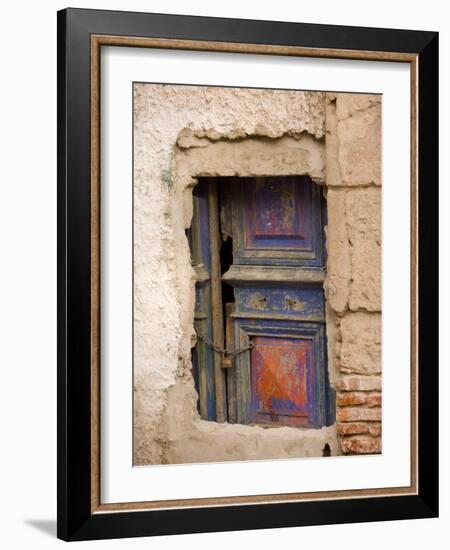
(281,376)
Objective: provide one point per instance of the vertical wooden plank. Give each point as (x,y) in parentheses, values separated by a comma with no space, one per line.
(203,360)
(216,298)
(231,372)
(243,378)
(198,357)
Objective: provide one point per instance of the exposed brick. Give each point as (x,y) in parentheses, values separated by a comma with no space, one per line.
(351,398)
(375,429)
(353,428)
(350,414)
(361,445)
(359,383)
(374,400)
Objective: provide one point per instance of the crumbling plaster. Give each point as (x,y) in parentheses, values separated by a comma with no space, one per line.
(182,132)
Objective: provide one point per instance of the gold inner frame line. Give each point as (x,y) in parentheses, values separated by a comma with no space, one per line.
(97,41)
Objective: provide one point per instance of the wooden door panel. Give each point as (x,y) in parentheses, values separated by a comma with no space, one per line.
(301,301)
(277,221)
(277,273)
(203,355)
(276,214)
(282,375)
(279,381)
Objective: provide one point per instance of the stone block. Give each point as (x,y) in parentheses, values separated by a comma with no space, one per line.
(363,221)
(354,249)
(339,266)
(360,351)
(359,153)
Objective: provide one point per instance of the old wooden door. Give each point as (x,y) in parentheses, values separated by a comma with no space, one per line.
(258,250)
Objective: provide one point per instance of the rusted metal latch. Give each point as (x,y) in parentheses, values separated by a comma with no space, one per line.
(225,352)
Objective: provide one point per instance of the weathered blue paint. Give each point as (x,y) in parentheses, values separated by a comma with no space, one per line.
(278,221)
(283,380)
(303,333)
(202,357)
(298,301)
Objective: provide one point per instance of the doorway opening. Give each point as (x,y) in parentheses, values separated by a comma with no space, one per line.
(258,250)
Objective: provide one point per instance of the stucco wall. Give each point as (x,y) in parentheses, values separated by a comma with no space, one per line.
(185,131)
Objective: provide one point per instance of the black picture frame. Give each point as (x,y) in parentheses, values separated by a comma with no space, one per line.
(76,521)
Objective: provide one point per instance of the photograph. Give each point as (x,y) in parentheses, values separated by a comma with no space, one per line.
(224,275)
(256,274)
(246,270)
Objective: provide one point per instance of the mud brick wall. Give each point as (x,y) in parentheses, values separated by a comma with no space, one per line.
(182,132)
(353,288)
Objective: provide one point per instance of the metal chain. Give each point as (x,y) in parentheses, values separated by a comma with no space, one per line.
(223,351)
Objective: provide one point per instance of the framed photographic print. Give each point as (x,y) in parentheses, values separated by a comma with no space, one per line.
(247,254)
